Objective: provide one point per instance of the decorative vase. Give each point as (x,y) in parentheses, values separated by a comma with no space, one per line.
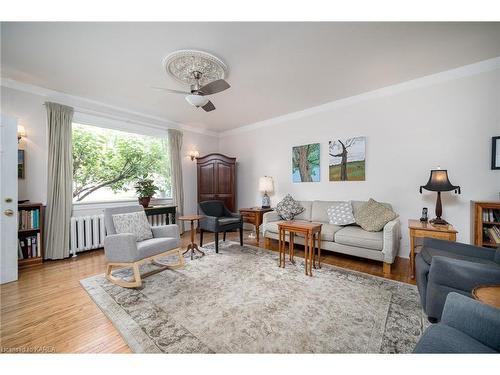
(144,202)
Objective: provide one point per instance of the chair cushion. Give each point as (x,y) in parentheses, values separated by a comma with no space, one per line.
(228,220)
(440,338)
(340,214)
(288,208)
(356,236)
(428,253)
(135,223)
(372,216)
(156,246)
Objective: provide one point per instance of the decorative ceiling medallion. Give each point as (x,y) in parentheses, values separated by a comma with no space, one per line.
(181,65)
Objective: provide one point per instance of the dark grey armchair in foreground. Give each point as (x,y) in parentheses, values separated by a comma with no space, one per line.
(218,219)
(467,326)
(443,267)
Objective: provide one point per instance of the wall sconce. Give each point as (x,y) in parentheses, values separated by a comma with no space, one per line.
(194,155)
(21,133)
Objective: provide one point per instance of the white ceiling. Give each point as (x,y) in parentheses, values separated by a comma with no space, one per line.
(274,68)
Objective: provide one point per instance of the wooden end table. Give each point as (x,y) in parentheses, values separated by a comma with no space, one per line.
(419,229)
(192,246)
(312,237)
(254,216)
(488,294)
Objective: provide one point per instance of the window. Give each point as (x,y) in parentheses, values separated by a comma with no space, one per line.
(107,163)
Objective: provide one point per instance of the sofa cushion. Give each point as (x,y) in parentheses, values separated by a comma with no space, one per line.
(428,253)
(135,223)
(340,214)
(319,210)
(356,236)
(288,208)
(228,220)
(306,214)
(372,216)
(156,246)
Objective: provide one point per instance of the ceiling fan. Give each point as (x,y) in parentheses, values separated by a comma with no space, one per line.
(197,95)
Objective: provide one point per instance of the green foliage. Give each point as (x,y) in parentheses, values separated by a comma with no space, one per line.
(355,171)
(113,159)
(145,187)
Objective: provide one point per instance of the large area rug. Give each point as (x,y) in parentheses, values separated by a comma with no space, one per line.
(240,301)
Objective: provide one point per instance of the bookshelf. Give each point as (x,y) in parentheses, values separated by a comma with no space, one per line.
(30,234)
(485,218)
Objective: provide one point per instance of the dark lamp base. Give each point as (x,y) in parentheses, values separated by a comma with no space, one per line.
(439,221)
(266,206)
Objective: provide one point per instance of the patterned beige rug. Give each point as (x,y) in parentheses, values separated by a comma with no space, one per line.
(240,301)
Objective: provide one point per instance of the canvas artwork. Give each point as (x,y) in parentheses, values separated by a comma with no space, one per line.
(347,159)
(306,163)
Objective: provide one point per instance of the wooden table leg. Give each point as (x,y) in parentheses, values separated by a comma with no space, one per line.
(311,252)
(319,249)
(257,227)
(291,254)
(306,252)
(412,256)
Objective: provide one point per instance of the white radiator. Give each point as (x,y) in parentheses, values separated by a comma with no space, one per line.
(88,232)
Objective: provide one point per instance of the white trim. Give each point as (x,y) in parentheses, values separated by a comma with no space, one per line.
(448,75)
(104,110)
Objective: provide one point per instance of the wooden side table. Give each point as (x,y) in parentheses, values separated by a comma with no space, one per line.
(254,216)
(420,229)
(192,246)
(312,237)
(488,294)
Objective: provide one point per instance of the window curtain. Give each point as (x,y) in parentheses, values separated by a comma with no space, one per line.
(59,181)
(175,146)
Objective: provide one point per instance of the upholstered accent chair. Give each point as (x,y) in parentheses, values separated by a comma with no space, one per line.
(218,219)
(467,326)
(122,250)
(445,266)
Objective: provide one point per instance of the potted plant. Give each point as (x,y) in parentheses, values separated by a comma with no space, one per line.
(145,189)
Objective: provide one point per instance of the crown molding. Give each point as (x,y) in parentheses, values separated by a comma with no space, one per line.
(97,108)
(445,76)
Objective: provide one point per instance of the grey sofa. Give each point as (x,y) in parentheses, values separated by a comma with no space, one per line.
(122,250)
(444,266)
(468,326)
(353,240)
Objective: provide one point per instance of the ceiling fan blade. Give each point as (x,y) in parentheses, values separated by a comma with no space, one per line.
(214,87)
(209,106)
(172,91)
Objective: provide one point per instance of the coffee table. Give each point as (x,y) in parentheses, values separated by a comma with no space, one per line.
(312,237)
(192,246)
(488,294)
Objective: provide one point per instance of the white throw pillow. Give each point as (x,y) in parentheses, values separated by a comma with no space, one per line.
(341,213)
(135,223)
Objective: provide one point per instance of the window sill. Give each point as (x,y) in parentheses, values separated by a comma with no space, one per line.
(99,206)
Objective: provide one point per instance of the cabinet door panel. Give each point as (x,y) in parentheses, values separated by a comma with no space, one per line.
(225,178)
(206,179)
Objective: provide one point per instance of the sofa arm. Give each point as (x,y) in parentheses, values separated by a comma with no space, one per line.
(210,223)
(171,230)
(392,238)
(475,319)
(120,248)
(269,217)
(462,275)
(459,248)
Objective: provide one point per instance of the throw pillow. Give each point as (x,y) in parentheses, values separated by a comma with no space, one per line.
(372,216)
(341,214)
(288,208)
(135,223)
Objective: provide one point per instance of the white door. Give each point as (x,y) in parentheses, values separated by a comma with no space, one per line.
(8,196)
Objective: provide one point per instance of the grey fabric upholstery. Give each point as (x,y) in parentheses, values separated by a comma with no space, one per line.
(443,267)
(356,236)
(467,326)
(218,219)
(124,248)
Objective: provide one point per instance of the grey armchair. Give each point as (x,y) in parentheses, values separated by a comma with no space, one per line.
(218,219)
(443,267)
(467,326)
(122,250)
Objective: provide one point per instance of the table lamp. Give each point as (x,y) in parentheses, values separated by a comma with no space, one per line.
(266,186)
(438,181)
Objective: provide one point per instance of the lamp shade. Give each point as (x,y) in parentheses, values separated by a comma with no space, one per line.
(20,131)
(197,100)
(438,181)
(266,184)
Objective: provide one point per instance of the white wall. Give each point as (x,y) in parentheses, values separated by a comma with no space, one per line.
(409,128)
(29,110)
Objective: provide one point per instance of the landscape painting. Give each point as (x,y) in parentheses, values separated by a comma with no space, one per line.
(306,163)
(347,159)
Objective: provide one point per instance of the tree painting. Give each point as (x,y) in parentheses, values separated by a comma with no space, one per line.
(347,159)
(305,163)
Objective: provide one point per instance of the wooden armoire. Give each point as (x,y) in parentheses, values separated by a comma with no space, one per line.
(217,179)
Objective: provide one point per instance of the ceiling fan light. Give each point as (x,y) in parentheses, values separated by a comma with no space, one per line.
(197,100)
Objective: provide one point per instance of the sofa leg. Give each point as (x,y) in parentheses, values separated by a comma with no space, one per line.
(241,236)
(387,268)
(216,242)
(267,243)
(201,237)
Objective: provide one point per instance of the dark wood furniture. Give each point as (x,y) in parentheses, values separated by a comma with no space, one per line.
(481,222)
(192,246)
(488,294)
(312,239)
(419,229)
(167,210)
(254,216)
(30,231)
(217,179)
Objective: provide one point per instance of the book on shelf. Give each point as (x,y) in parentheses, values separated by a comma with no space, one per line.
(29,219)
(29,247)
(491,215)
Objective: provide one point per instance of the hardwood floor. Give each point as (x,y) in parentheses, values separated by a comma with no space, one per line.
(47,309)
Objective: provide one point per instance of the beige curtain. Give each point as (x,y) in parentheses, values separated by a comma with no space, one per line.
(59,181)
(174,147)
